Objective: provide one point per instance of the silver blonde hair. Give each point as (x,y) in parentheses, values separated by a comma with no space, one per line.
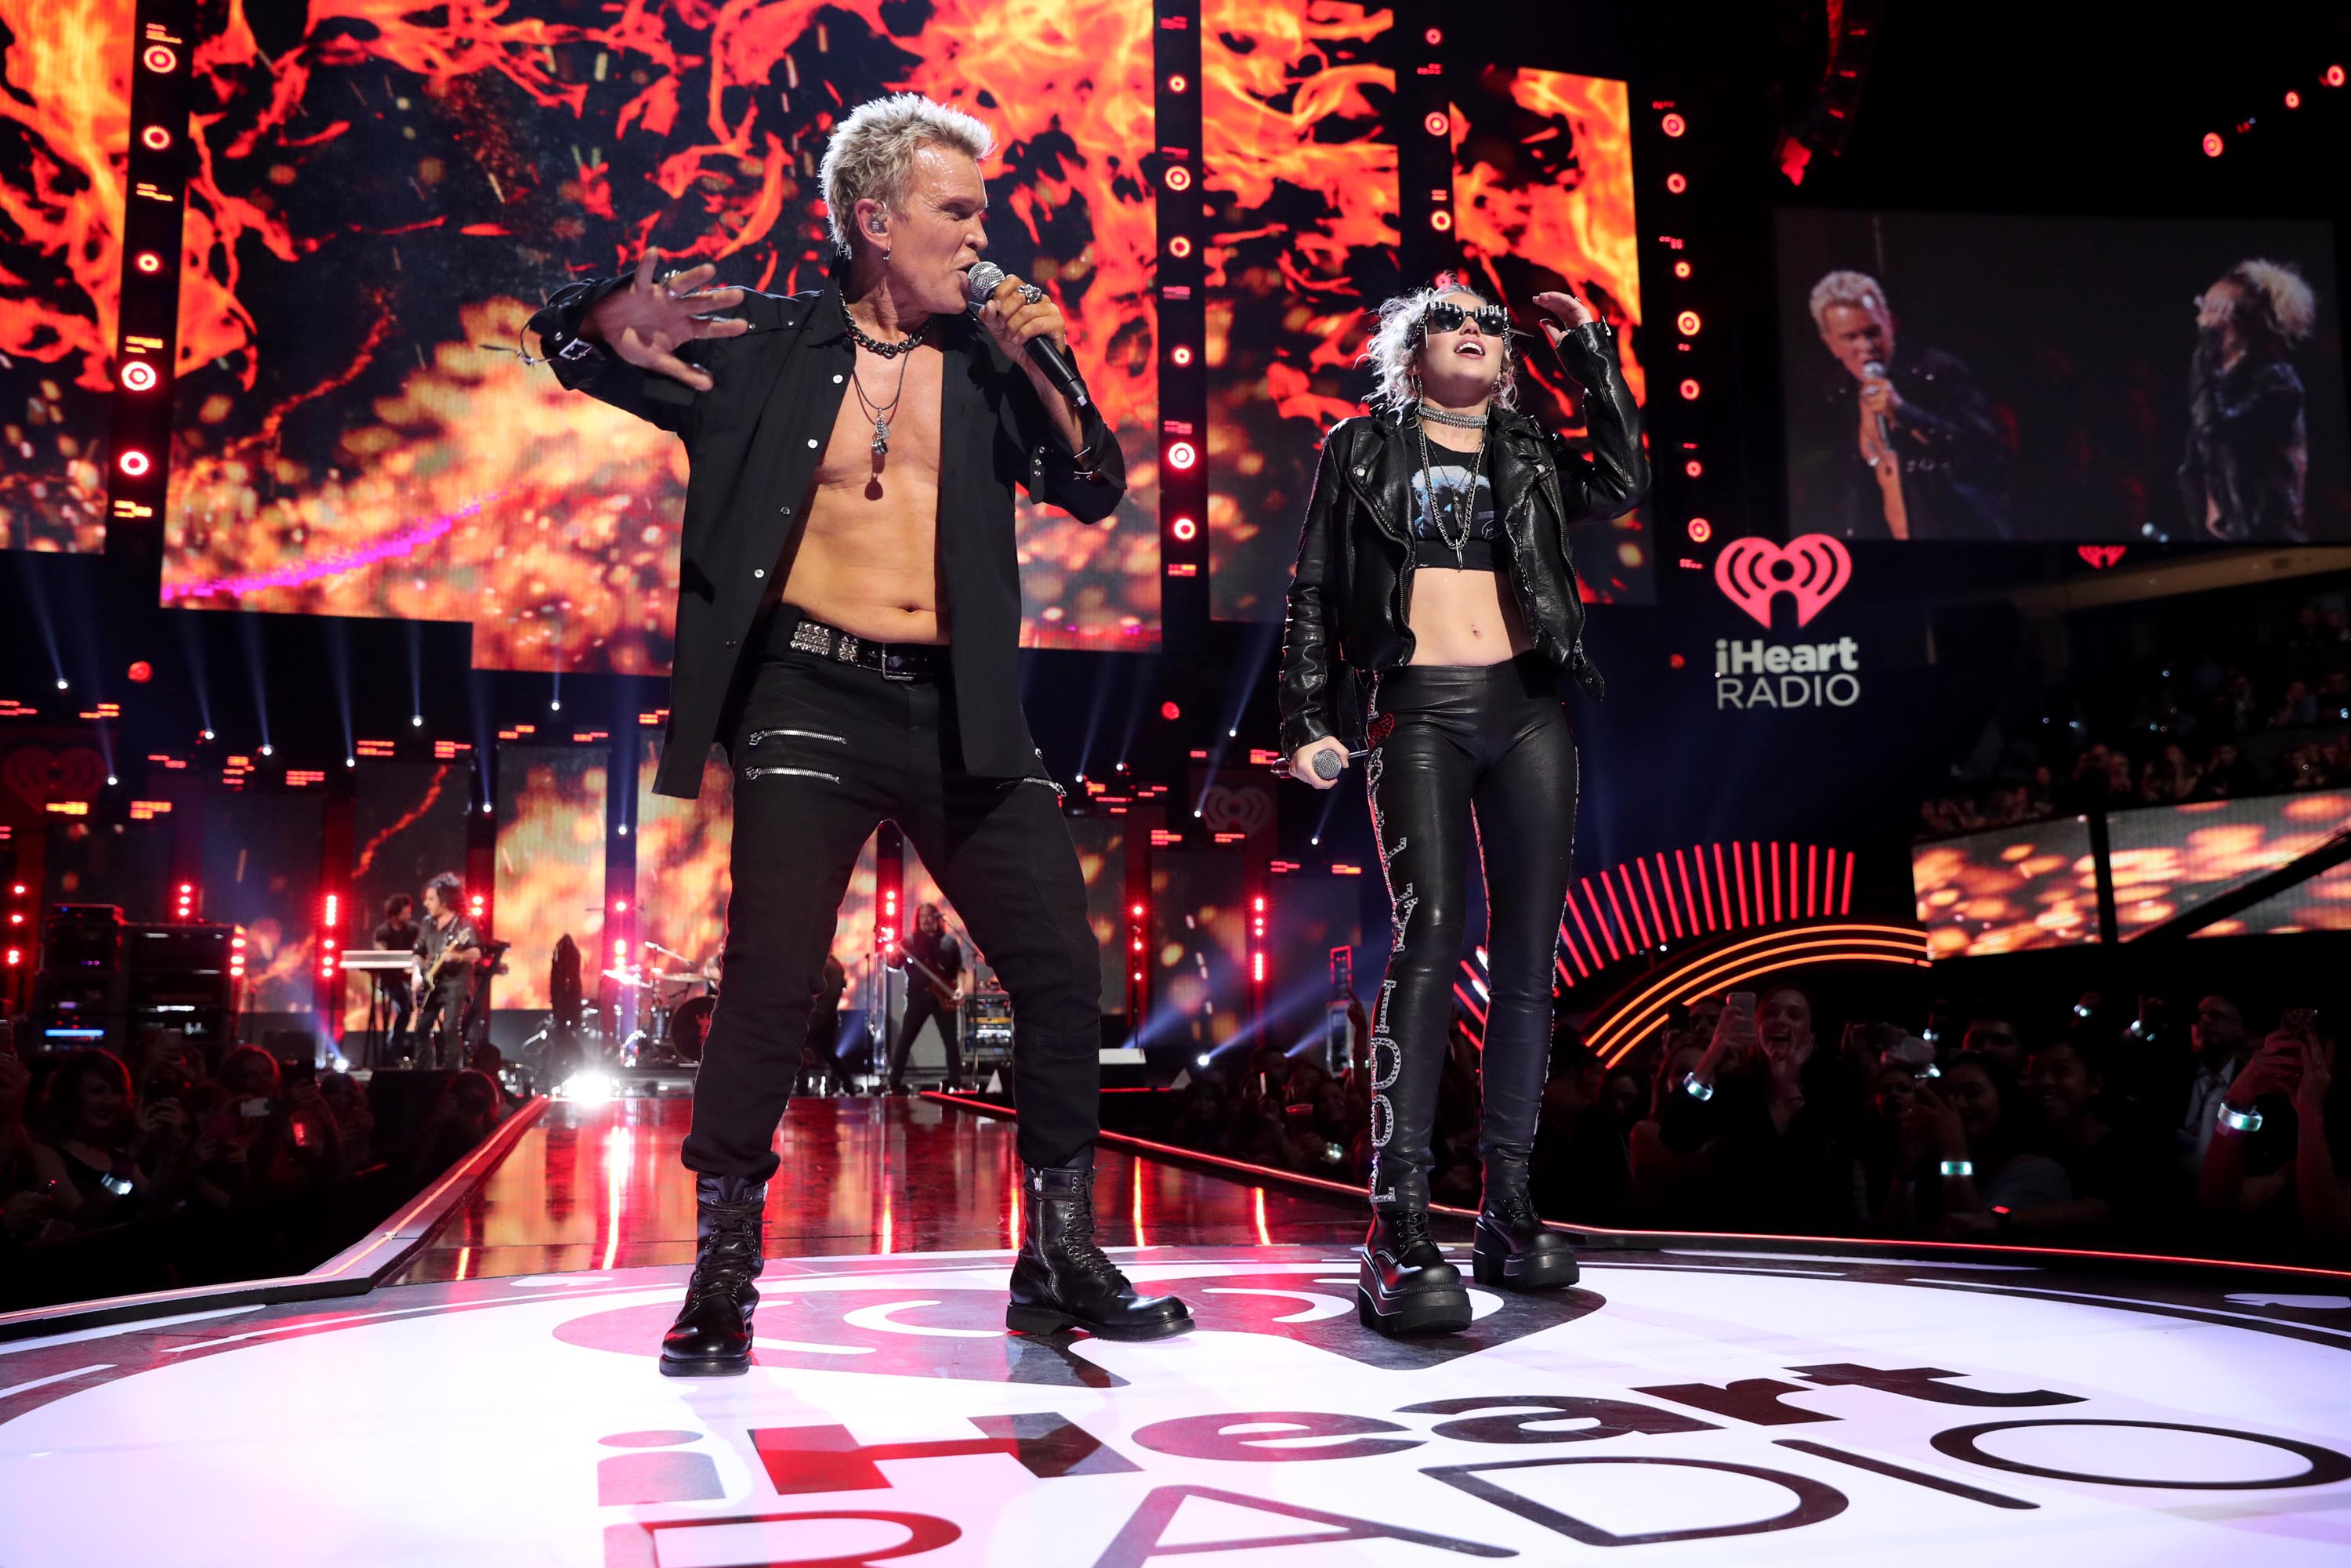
(2287,298)
(1857,289)
(873,152)
(1394,351)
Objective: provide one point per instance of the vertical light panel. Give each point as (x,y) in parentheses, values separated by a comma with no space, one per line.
(550,865)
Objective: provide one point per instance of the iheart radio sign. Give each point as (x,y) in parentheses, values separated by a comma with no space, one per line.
(1812,569)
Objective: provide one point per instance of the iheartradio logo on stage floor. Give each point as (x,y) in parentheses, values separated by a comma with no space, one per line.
(1753,573)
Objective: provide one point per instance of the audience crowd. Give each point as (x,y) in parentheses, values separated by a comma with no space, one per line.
(166,1171)
(2214,717)
(2098,1128)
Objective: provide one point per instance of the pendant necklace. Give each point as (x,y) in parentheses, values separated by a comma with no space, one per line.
(880,413)
(1460,505)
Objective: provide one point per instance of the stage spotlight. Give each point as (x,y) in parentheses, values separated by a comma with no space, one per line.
(155,138)
(624,830)
(1178,177)
(1196,810)
(1183,354)
(1184,528)
(554,704)
(1436,123)
(139,376)
(1434,36)
(204,734)
(149,263)
(1681,270)
(1170,711)
(2212,144)
(1180,246)
(1315,839)
(111,781)
(1181,455)
(2293,98)
(1200,1061)
(1693,468)
(267,749)
(1688,323)
(1232,734)
(141,672)
(1676,184)
(1441,220)
(416,721)
(1689,390)
(1673,125)
(2333,75)
(1700,530)
(61,684)
(134,462)
(1179,82)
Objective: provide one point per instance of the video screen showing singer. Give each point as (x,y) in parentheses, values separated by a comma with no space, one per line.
(848,626)
(1895,439)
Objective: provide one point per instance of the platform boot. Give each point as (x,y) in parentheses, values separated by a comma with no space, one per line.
(712,1336)
(1514,1250)
(1062,1281)
(1403,1285)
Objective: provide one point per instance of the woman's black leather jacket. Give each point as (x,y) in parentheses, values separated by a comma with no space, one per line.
(1350,596)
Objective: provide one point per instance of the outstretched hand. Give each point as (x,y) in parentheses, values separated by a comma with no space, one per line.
(647,322)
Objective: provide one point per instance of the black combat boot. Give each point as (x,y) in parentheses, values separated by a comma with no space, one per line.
(1405,1286)
(1062,1281)
(1514,1250)
(712,1336)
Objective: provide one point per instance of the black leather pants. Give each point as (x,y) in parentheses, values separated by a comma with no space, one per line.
(1479,756)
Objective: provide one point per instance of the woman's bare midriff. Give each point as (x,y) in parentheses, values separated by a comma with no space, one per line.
(1465,618)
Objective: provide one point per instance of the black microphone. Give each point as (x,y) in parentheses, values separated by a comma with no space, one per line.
(1876,373)
(981,284)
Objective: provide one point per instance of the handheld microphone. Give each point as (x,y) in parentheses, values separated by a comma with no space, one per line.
(981,284)
(1876,373)
(1326,764)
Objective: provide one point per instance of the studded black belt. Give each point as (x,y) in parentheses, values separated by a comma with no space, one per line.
(897,661)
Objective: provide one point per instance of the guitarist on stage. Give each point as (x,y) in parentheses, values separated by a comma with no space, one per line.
(937,993)
(447,948)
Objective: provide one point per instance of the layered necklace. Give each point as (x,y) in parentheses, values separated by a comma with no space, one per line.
(880,412)
(1460,504)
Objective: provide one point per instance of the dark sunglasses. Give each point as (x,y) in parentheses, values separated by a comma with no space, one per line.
(1446,316)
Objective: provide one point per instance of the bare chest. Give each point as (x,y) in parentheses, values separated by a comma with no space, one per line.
(885,440)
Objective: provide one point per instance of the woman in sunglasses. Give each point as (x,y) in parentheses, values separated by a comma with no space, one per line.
(1434,570)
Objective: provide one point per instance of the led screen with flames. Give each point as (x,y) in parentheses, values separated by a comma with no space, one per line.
(65,105)
(550,867)
(2008,890)
(378,204)
(2169,860)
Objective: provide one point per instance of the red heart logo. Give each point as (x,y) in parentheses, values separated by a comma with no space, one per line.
(2101,556)
(36,776)
(1749,573)
(1229,810)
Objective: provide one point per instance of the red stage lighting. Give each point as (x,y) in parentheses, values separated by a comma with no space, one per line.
(2293,98)
(1135,911)
(2332,76)
(159,59)
(149,261)
(1700,530)
(1681,270)
(1693,467)
(2211,144)
(134,462)
(1689,390)
(1184,528)
(1673,125)
(1435,122)
(1434,36)
(620,907)
(155,138)
(1179,82)
(1688,323)
(1676,184)
(141,672)
(1183,354)
(138,375)
(1170,711)
(1441,220)
(1177,177)
(1181,455)
(1180,246)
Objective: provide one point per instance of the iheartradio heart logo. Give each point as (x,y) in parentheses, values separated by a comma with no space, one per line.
(36,776)
(1811,569)
(2101,556)
(1229,810)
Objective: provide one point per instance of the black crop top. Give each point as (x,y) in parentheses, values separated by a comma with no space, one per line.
(1452,477)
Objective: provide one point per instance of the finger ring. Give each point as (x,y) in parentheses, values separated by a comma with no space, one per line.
(1031,293)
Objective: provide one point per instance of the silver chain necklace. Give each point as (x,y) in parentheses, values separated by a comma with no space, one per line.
(1460,505)
(880,413)
(1457,420)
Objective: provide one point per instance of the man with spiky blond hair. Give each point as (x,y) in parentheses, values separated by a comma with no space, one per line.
(847,627)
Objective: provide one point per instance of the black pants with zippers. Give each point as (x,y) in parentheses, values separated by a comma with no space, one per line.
(820,754)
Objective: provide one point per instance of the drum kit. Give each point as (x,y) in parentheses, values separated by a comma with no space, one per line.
(676,1007)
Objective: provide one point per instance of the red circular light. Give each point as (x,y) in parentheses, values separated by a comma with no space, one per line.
(2293,98)
(142,672)
(2212,144)
(155,138)
(1693,467)
(1178,178)
(1689,390)
(1441,220)
(1673,125)
(1170,711)
(1135,910)
(1676,184)
(1181,455)
(138,375)
(1676,662)
(1184,528)
(159,59)
(1700,530)
(1180,246)
(2332,76)
(1436,123)
(1179,82)
(1681,270)
(134,463)
(1434,36)
(1686,323)
(149,261)
(1183,354)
